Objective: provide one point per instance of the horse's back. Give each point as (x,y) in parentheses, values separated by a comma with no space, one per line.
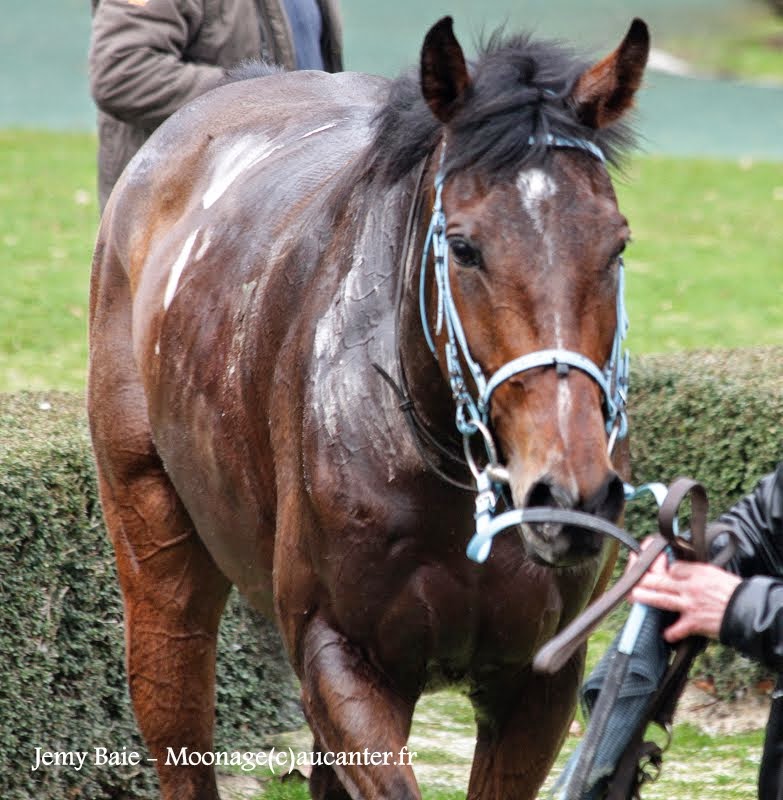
(250,150)
(231,184)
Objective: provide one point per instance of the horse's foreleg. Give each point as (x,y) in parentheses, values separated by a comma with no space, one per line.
(361,724)
(173,597)
(172,591)
(521,727)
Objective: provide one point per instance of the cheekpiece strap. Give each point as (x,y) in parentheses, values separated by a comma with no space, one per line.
(613,379)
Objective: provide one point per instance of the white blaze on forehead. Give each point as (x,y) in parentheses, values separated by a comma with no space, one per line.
(176,269)
(564,407)
(535,186)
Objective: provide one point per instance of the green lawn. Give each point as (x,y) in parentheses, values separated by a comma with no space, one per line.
(704,269)
(48,219)
(697,765)
(749,45)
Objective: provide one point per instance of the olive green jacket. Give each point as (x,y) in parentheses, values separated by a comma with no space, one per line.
(150,57)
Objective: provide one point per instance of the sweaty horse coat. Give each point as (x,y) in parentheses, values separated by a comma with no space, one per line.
(246,280)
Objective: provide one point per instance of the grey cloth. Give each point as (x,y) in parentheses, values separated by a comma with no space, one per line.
(646,667)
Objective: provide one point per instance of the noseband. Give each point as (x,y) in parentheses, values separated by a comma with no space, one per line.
(472,413)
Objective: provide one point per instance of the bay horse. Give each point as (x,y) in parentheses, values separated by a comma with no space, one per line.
(261,264)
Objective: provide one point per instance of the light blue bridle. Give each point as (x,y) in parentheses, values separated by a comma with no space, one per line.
(472,413)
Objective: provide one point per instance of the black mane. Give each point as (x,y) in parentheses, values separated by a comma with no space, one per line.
(520,90)
(249,69)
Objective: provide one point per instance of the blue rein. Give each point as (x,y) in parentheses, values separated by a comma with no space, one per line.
(472,413)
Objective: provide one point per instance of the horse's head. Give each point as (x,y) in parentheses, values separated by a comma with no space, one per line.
(534,241)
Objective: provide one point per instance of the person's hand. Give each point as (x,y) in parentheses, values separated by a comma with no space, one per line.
(698,592)
(657,567)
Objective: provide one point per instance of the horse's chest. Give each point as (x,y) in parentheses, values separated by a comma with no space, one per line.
(447,621)
(429,616)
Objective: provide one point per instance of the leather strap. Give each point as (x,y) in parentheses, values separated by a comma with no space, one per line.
(640,755)
(554,655)
(558,650)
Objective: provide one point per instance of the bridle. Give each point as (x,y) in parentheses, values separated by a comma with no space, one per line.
(472,412)
(612,379)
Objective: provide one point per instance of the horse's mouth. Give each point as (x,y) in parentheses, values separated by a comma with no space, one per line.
(558,546)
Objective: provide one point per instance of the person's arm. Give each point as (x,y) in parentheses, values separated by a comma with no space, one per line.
(757,520)
(753,621)
(746,615)
(136,67)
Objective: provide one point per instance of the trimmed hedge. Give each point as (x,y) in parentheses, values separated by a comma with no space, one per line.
(718,417)
(62,676)
(715,416)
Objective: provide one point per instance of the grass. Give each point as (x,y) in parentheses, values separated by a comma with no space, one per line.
(48,219)
(697,764)
(749,45)
(704,269)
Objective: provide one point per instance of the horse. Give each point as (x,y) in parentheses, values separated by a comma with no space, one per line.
(271,300)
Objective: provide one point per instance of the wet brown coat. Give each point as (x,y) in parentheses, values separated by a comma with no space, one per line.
(244,282)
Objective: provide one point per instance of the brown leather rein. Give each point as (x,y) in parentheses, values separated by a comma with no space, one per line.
(554,655)
(641,760)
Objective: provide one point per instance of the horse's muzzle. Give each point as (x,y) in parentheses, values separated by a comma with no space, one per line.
(559,544)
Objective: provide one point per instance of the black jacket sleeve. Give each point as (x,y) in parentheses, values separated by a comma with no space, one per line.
(757,521)
(753,621)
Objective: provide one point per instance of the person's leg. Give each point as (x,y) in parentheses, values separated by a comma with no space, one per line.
(771,772)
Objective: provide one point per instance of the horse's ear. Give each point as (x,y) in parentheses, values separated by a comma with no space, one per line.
(604,92)
(444,75)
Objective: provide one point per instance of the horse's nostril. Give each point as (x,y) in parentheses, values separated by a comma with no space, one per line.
(608,501)
(549,494)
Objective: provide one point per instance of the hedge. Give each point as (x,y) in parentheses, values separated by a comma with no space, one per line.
(62,677)
(715,416)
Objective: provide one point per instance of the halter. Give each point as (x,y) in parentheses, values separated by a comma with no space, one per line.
(472,413)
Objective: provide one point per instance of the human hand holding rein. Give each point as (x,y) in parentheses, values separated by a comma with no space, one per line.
(698,592)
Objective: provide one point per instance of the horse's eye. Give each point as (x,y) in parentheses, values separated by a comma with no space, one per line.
(617,254)
(465,254)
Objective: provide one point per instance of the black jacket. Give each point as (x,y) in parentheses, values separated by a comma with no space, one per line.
(753,620)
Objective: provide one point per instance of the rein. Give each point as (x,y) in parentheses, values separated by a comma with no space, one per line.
(636,761)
